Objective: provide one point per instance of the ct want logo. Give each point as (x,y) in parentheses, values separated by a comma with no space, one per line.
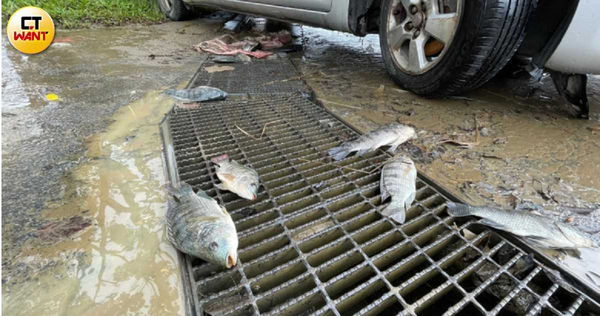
(30,30)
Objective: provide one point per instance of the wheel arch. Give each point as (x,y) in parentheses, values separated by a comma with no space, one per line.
(363,16)
(546,28)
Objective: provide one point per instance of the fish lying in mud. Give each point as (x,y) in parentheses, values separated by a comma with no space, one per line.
(198,226)
(538,230)
(398,180)
(197,94)
(392,134)
(236,178)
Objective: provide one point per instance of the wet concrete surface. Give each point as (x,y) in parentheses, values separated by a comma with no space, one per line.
(82,216)
(74,237)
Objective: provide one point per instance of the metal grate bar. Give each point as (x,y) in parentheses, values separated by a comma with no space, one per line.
(314,241)
(257,77)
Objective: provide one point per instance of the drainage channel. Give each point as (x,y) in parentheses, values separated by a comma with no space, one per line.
(314,242)
(257,77)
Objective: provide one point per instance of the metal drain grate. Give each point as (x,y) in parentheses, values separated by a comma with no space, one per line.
(314,243)
(257,77)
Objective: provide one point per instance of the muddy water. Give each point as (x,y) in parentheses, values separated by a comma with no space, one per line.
(121,263)
(528,152)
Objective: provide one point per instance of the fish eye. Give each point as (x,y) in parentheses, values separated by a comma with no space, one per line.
(213,246)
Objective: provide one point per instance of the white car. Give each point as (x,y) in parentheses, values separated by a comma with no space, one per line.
(446,47)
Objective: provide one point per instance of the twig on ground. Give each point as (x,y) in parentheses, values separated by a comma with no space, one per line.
(282,80)
(261,134)
(462,144)
(247,134)
(265,128)
(132,111)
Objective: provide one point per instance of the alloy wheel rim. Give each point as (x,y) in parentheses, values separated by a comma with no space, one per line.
(419,33)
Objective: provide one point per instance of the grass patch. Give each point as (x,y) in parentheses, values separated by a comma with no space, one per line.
(84,13)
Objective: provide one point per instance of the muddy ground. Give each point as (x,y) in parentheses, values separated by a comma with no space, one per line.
(82,205)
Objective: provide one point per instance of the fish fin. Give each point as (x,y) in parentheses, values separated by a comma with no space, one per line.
(492,224)
(410,200)
(392,149)
(537,241)
(384,193)
(396,211)
(224,210)
(338,153)
(399,217)
(222,187)
(219,159)
(170,235)
(458,209)
(570,234)
(362,152)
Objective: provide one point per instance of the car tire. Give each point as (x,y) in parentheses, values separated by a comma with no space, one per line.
(486,34)
(175,10)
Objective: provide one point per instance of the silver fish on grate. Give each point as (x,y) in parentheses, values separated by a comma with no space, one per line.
(540,231)
(197,94)
(198,226)
(398,180)
(236,178)
(392,134)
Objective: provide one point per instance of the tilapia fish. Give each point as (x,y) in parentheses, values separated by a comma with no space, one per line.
(197,94)
(398,180)
(392,134)
(540,231)
(198,226)
(236,178)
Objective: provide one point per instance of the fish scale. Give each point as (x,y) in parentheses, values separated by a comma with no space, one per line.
(199,226)
(398,180)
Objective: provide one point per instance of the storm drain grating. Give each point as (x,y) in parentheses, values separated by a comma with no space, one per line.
(257,77)
(314,243)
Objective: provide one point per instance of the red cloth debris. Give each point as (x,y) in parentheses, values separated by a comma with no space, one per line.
(228,45)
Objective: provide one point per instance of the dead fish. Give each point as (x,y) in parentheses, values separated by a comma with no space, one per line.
(223,59)
(392,134)
(197,94)
(198,226)
(398,180)
(236,178)
(540,231)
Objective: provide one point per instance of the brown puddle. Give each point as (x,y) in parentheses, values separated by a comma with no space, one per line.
(122,263)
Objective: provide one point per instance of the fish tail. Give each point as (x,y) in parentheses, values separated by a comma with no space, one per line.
(338,153)
(169,92)
(458,209)
(396,211)
(220,158)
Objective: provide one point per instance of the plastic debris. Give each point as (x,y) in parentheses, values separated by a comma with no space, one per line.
(197,94)
(51,97)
